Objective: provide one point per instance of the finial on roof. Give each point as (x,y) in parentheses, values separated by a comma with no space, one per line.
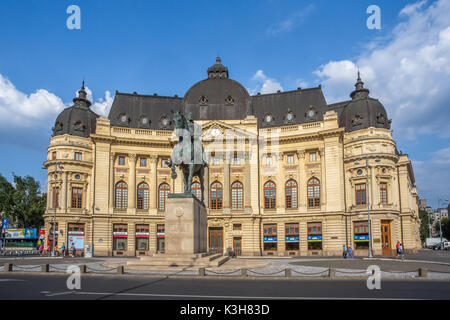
(82,96)
(360,91)
(218,60)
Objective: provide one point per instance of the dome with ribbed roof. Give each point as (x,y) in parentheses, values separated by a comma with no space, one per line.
(363,111)
(77,120)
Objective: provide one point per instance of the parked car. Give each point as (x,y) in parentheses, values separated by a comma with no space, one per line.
(446,245)
(431,242)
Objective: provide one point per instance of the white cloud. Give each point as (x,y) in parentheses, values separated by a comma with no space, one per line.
(27,119)
(266,84)
(18,109)
(290,22)
(410,74)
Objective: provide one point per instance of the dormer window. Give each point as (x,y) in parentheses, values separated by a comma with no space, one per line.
(311,113)
(357,120)
(381,119)
(164,122)
(268,118)
(203,100)
(229,100)
(123,118)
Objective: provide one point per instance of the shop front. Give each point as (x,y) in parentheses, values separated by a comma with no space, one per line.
(315,238)
(120,239)
(270,239)
(160,238)
(292,238)
(76,238)
(142,239)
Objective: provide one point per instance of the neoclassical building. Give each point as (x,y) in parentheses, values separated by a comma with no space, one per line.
(288,173)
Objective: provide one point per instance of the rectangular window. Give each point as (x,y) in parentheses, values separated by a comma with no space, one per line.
(315,236)
(160,238)
(142,236)
(77,198)
(143,162)
(237,161)
(292,239)
(78,156)
(121,160)
(312,157)
(360,190)
(270,237)
(237,226)
(361,234)
(216,161)
(120,237)
(383,193)
(290,159)
(54,155)
(164,163)
(269,161)
(55,202)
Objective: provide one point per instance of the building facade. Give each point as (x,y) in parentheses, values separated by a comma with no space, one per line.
(288,173)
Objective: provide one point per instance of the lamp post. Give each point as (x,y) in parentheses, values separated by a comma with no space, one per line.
(368,203)
(57,166)
(440,219)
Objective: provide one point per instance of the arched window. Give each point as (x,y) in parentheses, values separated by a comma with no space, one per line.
(163,192)
(313,193)
(196,190)
(121,195)
(270,195)
(216,195)
(237,190)
(142,196)
(291,194)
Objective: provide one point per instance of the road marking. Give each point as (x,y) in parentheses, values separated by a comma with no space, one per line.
(58,293)
(11,280)
(160,295)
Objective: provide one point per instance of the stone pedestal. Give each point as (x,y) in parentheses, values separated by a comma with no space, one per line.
(186,225)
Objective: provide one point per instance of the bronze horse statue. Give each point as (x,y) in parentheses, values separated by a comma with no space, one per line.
(188,154)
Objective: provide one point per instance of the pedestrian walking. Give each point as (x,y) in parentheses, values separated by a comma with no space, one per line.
(344,252)
(396,247)
(73,250)
(41,249)
(63,249)
(350,252)
(400,251)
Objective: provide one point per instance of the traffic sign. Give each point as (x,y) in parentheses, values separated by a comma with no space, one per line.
(4,223)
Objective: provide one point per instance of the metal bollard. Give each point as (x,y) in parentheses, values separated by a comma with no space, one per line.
(45,268)
(201,272)
(82,268)
(120,270)
(423,272)
(287,272)
(7,267)
(244,272)
(332,273)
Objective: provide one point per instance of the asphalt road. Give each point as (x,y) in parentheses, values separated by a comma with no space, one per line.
(51,287)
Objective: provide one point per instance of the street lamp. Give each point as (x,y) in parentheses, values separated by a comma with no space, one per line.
(368,203)
(440,219)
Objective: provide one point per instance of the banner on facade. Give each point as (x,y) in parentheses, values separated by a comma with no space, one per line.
(15,233)
(270,239)
(314,238)
(292,239)
(361,238)
(142,234)
(120,234)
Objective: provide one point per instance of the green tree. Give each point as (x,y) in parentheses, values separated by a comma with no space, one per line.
(22,202)
(424,225)
(445,228)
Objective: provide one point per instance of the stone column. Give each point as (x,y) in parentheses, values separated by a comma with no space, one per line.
(302,183)
(226,183)
(374,193)
(112,161)
(247,183)
(281,192)
(64,192)
(49,193)
(132,182)
(206,187)
(153,181)
(323,193)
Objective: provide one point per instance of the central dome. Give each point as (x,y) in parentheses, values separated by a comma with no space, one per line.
(217,97)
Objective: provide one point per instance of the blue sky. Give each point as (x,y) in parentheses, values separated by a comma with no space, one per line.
(165,47)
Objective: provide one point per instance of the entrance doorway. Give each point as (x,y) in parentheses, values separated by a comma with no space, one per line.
(386,238)
(237,246)
(216,239)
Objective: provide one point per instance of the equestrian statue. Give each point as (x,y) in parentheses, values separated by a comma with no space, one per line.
(188,154)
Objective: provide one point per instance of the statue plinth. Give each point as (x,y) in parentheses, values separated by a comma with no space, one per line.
(186,225)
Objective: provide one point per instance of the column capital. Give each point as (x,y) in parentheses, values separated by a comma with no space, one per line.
(132,156)
(301,153)
(153,159)
(321,151)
